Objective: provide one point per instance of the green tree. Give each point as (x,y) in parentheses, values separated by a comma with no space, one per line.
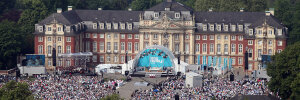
(143,4)
(15,91)
(283,71)
(294,24)
(205,5)
(112,97)
(10,44)
(35,11)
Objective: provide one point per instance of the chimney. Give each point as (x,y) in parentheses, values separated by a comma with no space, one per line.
(129,9)
(210,9)
(169,0)
(99,8)
(58,10)
(267,13)
(272,11)
(241,9)
(70,8)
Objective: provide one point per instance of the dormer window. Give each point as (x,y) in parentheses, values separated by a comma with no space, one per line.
(108,25)
(279,32)
(115,26)
(101,25)
(177,15)
(129,26)
(95,26)
(167,9)
(233,28)
(58,29)
(204,28)
(240,27)
(49,29)
(156,15)
(225,27)
(211,27)
(41,28)
(250,31)
(123,26)
(68,28)
(219,27)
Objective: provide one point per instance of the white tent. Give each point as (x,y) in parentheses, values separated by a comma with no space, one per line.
(193,80)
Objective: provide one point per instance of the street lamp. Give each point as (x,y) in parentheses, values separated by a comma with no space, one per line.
(246,61)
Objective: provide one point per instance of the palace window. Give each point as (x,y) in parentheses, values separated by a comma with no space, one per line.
(108,58)
(279,43)
(233,37)
(122,36)
(116,26)
(95,26)
(94,58)
(116,36)
(250,42)
(59,49)
(40,48)
(116,59)
(156,15)
(123,26)
(122,46)
(155,36)
(204,27)
(129,36)
(49,29)
(250,51)
(102,46)
(204,49)
(233,28)
(58,29)
(240,61)
(129,26)
(129,46)
(240,27)
(211,48)
(225,27)
(136,46)
(68,49)
(212,27)
(198,37)
(177,47)
(136,36)
(211,37)
(219,27)
(270,51)
(204,37)
(250,31)
(87,46)
(226,48)
(240,48)
(270,42)
(101,25)
(108,26)
(177,15)
(115,45)
(232,47)
(101,35)
(219,37)
(40,39)
(176,36)
(95,35)
(49,38)
(218,48)
(279,32)
(108,35)
(108,46)
(146,36)
(41,28)
(68,39)
(101,58)
(49,49)
(240,37)
(95,46)
(197,49)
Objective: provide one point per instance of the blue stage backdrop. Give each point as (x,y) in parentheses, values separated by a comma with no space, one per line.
(154,58)
(35,60)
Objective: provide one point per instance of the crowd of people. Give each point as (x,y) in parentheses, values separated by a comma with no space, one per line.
(218,88)
(72,87)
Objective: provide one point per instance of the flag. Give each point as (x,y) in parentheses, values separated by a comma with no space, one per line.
(220,61)
(215,61)
(209,60)
(230,63)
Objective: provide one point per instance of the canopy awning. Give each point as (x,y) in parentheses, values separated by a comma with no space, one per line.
(80,54)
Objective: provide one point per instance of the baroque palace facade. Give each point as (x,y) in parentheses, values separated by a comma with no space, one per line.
(109,34)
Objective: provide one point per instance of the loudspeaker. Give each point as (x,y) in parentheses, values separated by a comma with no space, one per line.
(126,73)
(246,60)
(18,74)
(176,97)
(178,58)
(231,77)
(54,56)
(178,73)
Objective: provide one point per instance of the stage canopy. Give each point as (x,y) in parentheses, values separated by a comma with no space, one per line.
(80,54)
